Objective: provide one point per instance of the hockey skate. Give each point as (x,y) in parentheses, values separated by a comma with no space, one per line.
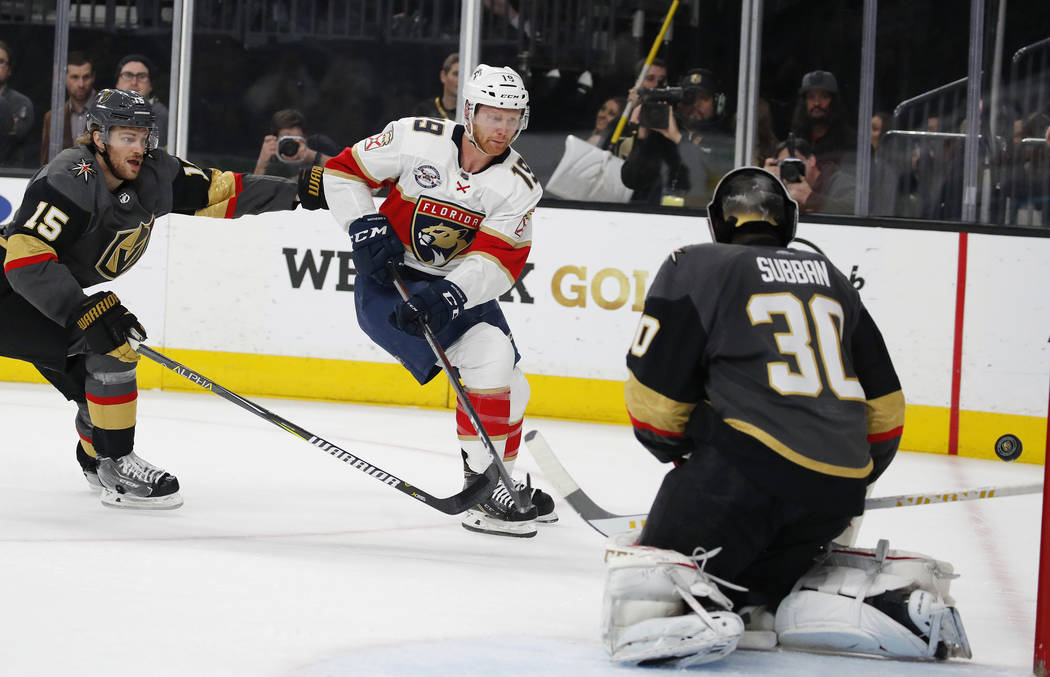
(130,482)
(542,500)
(498,515)
(89,466)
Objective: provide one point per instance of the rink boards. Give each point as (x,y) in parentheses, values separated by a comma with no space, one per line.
(264,306)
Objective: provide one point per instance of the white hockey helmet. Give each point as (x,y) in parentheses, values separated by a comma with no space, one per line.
(500,87)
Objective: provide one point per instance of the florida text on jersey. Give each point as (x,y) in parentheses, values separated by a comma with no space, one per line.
(446,217)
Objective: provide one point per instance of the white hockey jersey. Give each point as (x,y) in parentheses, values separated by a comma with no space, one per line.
(473,229)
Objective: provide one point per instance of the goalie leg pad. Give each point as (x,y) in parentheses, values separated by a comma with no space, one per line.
(875,601)
(651,611)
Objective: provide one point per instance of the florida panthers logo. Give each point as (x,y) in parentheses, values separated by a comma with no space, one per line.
(441,230)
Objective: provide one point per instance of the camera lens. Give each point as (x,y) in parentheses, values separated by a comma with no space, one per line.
(288,147)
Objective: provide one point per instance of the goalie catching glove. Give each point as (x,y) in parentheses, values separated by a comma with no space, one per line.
(437,305)
(375,244)
(106,326)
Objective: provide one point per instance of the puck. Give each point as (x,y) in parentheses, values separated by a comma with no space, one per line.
(1008,447)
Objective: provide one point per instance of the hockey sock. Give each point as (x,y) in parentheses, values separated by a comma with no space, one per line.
(112,396)
(85,431)
(493,409)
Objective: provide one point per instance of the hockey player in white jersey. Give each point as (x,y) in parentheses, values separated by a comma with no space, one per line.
(458,220)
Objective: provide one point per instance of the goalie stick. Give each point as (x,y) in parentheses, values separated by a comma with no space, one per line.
(521,501)
(471,495)
(605,522)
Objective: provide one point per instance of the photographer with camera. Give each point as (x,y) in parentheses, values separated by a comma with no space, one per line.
(287,149)
(829,190)
(683,145)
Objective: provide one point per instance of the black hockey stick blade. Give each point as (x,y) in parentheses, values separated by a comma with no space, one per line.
(522,500)
(471,495)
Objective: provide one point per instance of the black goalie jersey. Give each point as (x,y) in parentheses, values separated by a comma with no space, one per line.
(766,354)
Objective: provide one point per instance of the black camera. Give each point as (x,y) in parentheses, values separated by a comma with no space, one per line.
(288,146)
(656,106)
(792,170)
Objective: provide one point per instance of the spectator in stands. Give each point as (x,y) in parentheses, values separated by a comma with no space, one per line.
(16,117)
(443,106)
(287,149)
(606,119)
(830,190)
(80,85)
(655,76)
(135,72)
(681,151)
(820,119)
(887,183)
(765,138)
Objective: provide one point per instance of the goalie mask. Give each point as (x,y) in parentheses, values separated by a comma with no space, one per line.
(122,108)
(500,87)
(751,200)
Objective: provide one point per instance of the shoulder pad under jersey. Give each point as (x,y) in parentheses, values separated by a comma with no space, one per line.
(75,173)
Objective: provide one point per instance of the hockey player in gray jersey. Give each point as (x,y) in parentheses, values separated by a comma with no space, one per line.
(86,219)
(758,372)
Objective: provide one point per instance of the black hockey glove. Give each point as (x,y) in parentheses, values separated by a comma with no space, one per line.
(437,305)
(107,325)
(311,188)
(374,245)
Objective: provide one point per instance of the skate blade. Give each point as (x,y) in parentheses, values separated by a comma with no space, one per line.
(112,499)
(547,519)
(481,523)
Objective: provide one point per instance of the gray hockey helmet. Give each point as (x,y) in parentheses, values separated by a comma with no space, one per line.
(122,108)
(753,199)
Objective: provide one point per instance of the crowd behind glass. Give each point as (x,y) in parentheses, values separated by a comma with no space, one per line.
(258,86)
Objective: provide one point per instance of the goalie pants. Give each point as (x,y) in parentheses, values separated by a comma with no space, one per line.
(767,542)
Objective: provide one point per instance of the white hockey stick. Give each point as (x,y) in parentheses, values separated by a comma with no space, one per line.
(605,522)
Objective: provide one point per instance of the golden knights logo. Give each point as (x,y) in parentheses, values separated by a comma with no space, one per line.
(124,250)
(441,230)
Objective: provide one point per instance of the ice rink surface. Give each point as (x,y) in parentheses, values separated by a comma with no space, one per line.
(286,562)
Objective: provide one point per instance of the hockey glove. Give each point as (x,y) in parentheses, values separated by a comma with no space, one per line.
(374,245)
(437,305)
(311,188)
(107,325)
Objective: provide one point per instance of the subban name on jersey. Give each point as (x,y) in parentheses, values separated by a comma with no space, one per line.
(793,271)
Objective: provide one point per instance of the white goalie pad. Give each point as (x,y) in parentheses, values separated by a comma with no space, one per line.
(874,601)
(651,610)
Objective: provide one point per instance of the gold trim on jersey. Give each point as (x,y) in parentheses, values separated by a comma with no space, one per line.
(477,438)
(797,458)
(654,409)
(343,175)
(495,260)
(361,166)
(21,246)
(124,250)
(886,413)
(406,198)
(223,186)
(505,238)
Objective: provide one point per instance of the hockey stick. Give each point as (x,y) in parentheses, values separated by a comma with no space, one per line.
(453,505)
(605,522)
(521,502)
